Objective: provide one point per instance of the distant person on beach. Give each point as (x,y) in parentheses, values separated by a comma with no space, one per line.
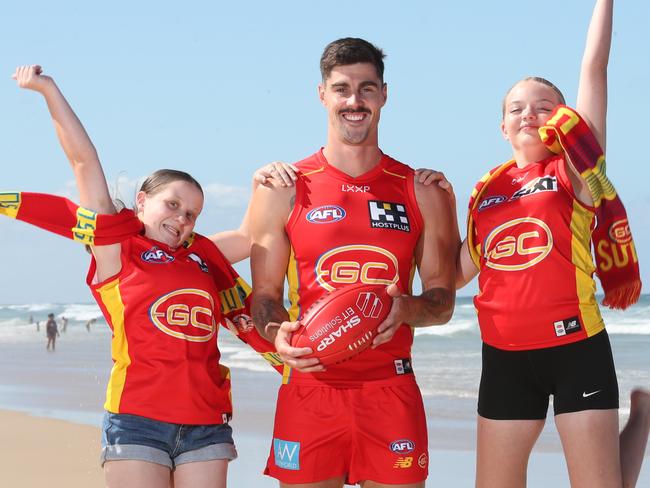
(38,326)
(52,331)
(162,288)
(529,241)
(89,323)
(64,324)
(337,426)
(31,319)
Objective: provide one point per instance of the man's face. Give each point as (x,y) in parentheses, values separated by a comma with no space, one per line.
(353,95)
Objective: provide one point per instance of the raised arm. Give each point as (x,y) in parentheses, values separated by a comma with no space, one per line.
(91,182)
(592,89)
(88,172)
(435,255)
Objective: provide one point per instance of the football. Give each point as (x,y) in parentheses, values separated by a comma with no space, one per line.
(343,323)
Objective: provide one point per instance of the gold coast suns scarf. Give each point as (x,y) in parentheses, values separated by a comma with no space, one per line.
(617,264)
(61,216)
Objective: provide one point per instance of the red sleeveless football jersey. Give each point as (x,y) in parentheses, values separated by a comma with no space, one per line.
(535,284)
(346,230)
(164,310)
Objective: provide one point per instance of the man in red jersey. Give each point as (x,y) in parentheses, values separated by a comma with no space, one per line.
(355,215)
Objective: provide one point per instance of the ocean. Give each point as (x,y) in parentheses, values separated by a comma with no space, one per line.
(70,383)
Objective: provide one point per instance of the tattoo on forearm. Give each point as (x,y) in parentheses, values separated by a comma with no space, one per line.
(436,307)
(265,310)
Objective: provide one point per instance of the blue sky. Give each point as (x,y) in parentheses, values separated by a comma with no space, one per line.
(220,88)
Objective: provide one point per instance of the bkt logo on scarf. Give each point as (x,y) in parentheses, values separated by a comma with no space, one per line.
(287,454)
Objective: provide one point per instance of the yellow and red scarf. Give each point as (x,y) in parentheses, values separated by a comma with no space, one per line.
(567,132)
(61,216)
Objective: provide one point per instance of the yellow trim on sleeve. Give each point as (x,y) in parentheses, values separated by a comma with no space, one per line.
(319,170)
(394,174)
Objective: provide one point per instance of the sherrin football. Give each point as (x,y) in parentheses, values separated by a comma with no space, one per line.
(343,323)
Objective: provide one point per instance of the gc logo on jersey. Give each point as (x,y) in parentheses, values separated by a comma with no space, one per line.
(155,255)
(387,215)
(356,263)
(518,244)
(326,214)
(185,314)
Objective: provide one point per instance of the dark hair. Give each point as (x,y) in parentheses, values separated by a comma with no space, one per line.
(351,50)
(158,179)
(537,79)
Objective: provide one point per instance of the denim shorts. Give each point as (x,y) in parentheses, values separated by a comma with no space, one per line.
(132,437)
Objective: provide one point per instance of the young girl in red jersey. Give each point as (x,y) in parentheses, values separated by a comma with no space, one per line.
(540,324)
(168,398)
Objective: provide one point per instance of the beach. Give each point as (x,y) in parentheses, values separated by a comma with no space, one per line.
(51,402)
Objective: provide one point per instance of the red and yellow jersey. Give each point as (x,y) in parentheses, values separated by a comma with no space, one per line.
(346,230)
(164,310)
(535,284)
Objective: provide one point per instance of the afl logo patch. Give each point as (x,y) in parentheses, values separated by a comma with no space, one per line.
(326,214)
(156,255)
(491,201)
(402,446)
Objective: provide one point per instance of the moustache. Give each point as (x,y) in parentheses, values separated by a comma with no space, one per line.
(354,111)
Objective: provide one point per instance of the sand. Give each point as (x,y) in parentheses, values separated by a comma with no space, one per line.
(41,452)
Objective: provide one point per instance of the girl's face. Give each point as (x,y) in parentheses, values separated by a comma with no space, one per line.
(527,107)
(169,214)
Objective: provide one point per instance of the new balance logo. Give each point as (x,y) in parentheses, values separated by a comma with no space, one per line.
(403,462)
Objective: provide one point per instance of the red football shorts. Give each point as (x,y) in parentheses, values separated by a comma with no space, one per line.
(373,432)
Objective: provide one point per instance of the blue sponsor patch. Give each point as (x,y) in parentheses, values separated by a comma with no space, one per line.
(402,446)
(287,454)
(326,214)
(491,201)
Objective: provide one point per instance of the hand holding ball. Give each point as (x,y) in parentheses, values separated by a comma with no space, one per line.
(342,324)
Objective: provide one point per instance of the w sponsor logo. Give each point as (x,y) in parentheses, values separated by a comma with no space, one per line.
(287,454)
